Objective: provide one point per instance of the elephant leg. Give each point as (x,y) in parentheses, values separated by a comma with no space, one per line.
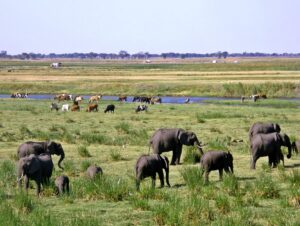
(206,176)
(67,188)
(173,157)
(38,188)
(254,159)
(220,174)
(153,180)
(26,183)
(161,178)
(61,189)
(177,161)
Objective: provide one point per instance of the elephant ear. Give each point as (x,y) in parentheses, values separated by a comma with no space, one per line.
(276,127)
(33,165)
(182,136)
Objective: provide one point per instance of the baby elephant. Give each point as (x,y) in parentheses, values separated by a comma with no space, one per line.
(216,160)
(93,171)
(148,166)
(62,184)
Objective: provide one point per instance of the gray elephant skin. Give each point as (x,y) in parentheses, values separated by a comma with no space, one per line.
(93,171)
(216,160)
(260,127)
(296,146)
(148,166)
(50,147)
(164,140)
(35,167)
(62,184)
(269,145)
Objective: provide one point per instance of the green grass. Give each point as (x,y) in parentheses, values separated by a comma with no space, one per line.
(114,142)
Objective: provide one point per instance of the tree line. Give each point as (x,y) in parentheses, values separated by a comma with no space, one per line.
(141,55)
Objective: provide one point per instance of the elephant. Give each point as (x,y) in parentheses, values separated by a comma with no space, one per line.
(93,171)
(36,167)
(269,145)
(50,147)
(172,140)
(216,160)
(148,166)
(62,184)
(260,127)
(296,146)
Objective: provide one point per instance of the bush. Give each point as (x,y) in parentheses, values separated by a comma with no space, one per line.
(83,151)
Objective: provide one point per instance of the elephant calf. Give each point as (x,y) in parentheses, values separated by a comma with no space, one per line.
(296,146)
(93,171)
(216,160)
(148,166)
(62,184)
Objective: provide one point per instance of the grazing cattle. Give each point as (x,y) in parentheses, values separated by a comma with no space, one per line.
(92,107)
(75,107)
(54,106)
(62,97)
(95,98)
(65,107)
(55,65)
(141,108)
(19,95)
(110,108)
(136,99)
(155,100)
(78,99)
(242,99)
(262,96)
(122,98)
(254,97)
(142,99)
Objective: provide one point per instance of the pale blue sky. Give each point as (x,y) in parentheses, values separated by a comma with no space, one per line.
(66,26)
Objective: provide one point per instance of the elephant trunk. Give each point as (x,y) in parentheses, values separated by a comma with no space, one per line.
(62,156)
(167,176)
(199,146)
(289,155)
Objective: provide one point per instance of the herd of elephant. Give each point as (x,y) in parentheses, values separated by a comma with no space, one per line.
(35,160)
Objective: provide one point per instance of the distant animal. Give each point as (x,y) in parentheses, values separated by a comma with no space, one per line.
(55,65)
(216,160)
(122,98)
(141,99)
(155,100)
(262,96)
(148,166)
(136,99)
(65,107)
(62,184)
(187,101)
(54,106)
(93,171)
(110,108)
(37,148)
(95,98)
(36,167)
(75,107)
(78,99)
(63,97)
(141,108)
(19,95)
(243,99)
(92,107)
(166,139)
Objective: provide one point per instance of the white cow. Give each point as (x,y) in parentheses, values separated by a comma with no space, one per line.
(65,107)
(55,65)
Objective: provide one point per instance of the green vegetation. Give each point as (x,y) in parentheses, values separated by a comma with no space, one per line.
(115,141)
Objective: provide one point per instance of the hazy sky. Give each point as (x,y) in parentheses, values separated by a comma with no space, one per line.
(66,26)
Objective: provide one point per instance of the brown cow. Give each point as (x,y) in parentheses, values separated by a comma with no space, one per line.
(62,97)
(155,100)
(95,98)
(92,107)
(75,107)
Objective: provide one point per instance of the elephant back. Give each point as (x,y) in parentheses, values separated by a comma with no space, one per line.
(31,147)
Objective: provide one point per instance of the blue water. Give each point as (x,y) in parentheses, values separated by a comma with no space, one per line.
(165,99)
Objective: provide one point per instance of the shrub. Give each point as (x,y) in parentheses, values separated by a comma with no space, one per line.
(192,155)
(83,151)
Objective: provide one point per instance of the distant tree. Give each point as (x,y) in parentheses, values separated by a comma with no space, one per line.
(219,54)
(225,54)
(123,54)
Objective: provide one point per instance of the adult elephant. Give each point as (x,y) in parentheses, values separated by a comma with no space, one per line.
(37,148)
(260,127)
(35,167)
(164,140)
(269,145)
